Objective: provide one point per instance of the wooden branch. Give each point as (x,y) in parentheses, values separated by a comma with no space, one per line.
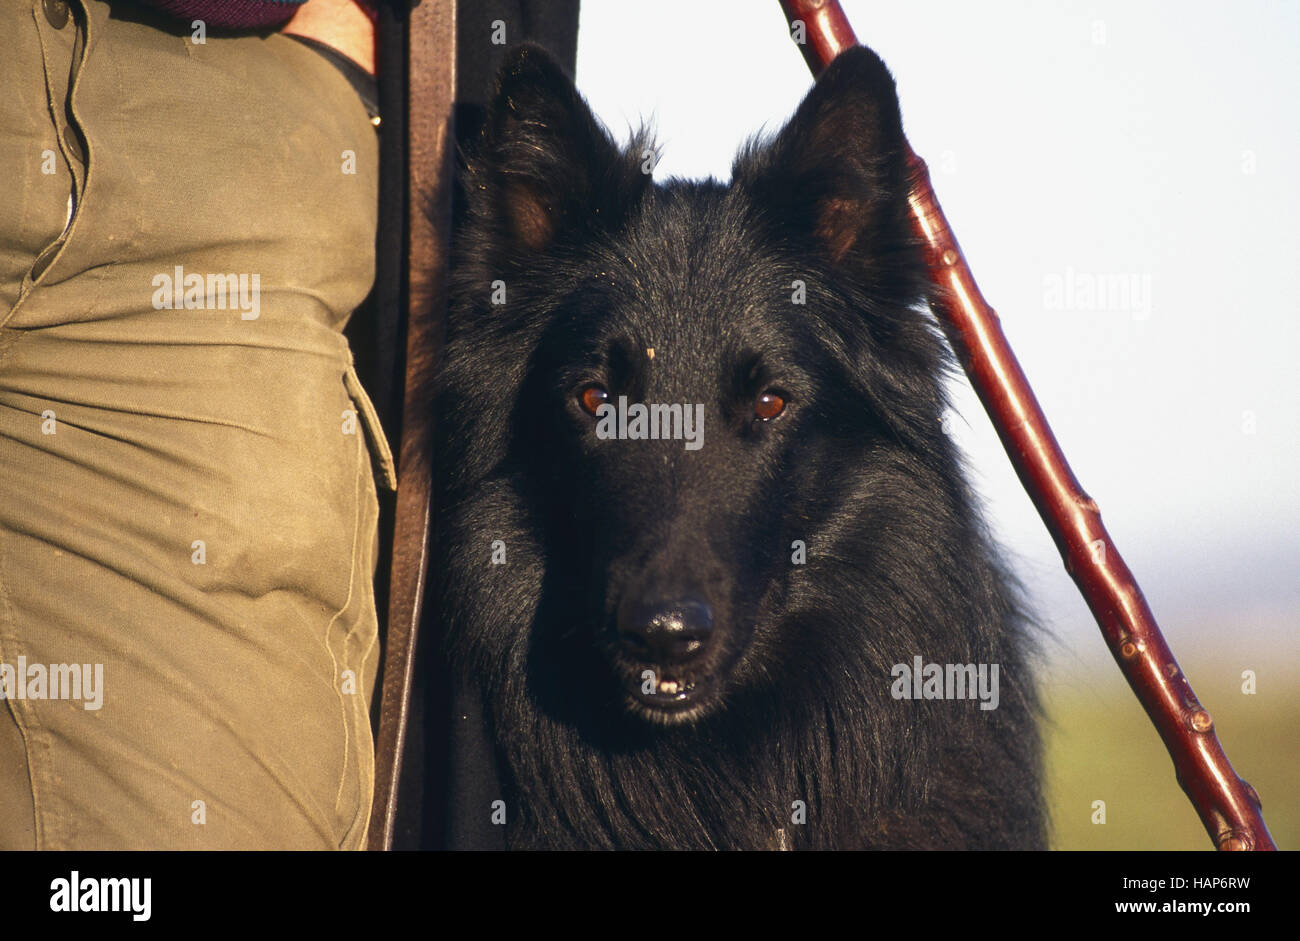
(1228,806)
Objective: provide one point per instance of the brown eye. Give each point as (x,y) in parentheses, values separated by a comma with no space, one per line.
(768,406)
(592,398)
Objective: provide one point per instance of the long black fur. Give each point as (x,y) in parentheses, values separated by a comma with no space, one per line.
(600,264)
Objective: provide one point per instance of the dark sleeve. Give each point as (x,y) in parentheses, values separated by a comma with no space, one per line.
(229,14)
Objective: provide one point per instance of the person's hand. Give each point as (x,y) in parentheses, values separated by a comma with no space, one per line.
(344,24)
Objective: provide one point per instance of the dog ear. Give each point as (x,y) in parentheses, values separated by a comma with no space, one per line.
(546,166)
(836,174)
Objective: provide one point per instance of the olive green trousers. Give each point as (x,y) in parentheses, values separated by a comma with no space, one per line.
(188,636)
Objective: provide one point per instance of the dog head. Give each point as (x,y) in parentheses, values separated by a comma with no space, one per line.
(702,384)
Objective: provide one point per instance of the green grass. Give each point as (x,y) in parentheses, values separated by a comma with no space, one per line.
(1101,746)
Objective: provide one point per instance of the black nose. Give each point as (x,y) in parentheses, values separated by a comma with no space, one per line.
(666,632)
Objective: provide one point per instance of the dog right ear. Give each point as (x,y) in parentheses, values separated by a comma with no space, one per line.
(547,168)
(836,176)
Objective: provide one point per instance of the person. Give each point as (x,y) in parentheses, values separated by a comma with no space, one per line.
(188,633)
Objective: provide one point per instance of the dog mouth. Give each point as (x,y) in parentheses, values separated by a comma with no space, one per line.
(668,697)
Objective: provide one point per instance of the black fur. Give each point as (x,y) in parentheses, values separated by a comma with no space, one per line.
(599,265)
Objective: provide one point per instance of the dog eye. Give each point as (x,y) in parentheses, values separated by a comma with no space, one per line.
(592,397)
(769,405)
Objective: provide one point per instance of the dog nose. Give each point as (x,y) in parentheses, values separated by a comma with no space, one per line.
(671,632)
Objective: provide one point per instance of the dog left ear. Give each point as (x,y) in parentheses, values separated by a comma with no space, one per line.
(837,172)
(547,169)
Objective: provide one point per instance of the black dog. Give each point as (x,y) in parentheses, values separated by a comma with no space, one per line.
(704,636)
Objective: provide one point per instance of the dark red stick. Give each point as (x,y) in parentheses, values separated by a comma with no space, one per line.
(1228,806)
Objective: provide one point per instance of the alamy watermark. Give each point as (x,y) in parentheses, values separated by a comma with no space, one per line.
(923,680)
(181,291)
(639,421)
(1088,292)
(87,894)
(84,681)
